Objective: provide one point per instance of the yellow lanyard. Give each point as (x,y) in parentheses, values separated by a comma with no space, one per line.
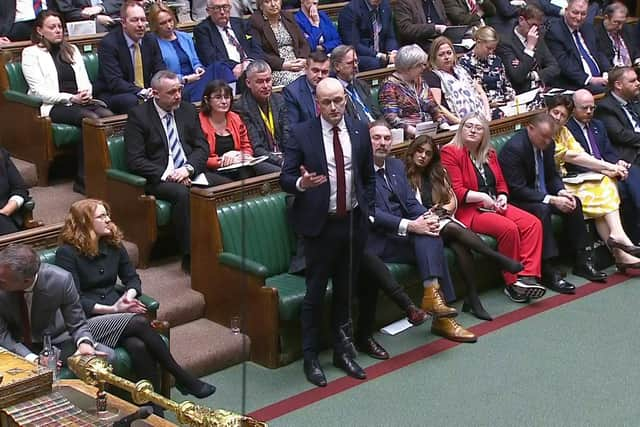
(268,121)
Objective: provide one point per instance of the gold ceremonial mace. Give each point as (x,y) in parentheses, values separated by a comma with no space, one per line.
(95,371)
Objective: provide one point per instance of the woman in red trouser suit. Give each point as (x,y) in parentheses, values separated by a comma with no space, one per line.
(482,193)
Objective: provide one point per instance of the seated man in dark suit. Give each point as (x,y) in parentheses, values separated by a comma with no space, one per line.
(620,113)
(404,231)
(419,22)
(592,135)
(468,12)
(527,161)
(574,47)
(128,58)
(300,95)
(17,18)
(367,25)
(164,144)
(39,299)
(103,12)
(225,41)
(360,105)
(264,113)
(526,58)
(616,39)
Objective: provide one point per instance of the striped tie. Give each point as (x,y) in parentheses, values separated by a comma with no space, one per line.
(37,7)
(174,143)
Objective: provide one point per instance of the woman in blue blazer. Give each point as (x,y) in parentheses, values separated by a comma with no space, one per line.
(179,53)
(317,27)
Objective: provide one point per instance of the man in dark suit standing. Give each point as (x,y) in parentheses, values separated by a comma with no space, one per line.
(367,25)
(225,41)
(616,39)
(328,167)
(620,113)
(39,299)
(265,115)
(573,44)
(526,58)
(128,58)
(527,161)
(164,144)
(592,135)
(300,94)
(404,231)
(360,105)
(419,21)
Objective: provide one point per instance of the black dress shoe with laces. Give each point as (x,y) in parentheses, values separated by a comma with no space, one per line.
(372,348)
(589,272)
(347,364)
(554,281)
(314,373)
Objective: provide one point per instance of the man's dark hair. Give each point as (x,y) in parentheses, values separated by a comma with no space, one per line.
(21,259)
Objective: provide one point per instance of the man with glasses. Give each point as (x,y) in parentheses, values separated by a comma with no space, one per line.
(225,41)
(300,94)
(328,167)
(616,39)
(360,105)
(526,58)
(128,58)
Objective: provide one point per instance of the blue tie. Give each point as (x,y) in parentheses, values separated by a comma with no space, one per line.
(174,143)
(542,186)
(595,71)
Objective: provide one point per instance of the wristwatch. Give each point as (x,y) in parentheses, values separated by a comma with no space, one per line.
(189,169)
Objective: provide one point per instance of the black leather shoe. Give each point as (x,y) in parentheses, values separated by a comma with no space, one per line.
(529,286)
(314,373)
(515,296)
(372,348)
(553,280)
(350,366)
(589,272)
(200,389)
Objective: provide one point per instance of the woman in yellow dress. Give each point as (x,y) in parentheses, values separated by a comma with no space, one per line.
(600,199)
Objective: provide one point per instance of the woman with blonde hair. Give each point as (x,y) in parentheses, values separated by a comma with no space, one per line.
(482,195)
(433,189)
(91,250)
(451,85)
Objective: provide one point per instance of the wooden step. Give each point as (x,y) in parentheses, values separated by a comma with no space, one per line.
(203,347)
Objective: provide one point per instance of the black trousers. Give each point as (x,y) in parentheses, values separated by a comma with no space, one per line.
(574,224)
(178,196)
(20,31)
(328,256)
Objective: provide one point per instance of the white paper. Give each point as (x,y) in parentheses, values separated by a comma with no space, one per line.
(426,128)
(249,162)
(562,4)
(81,28)
(396,327)
(200,179)
(583,177)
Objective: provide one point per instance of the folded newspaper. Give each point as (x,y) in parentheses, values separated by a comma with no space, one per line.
(251,161)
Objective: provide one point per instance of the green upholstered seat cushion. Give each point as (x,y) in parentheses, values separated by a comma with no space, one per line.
(117,155)
(16,78)
(257,230)
(91,64)
(498,141)
(291,289)
(64,135)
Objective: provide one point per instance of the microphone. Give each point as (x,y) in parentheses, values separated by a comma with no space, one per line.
(140,414)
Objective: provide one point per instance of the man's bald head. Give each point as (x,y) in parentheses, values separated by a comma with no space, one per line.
(331,99)
(584,106)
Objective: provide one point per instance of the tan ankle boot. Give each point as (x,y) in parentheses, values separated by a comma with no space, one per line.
(433,303)
(451,330)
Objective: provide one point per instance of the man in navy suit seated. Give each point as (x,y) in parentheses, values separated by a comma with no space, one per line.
(128,59)
(225,41)
(592,135)
(367,25)
(404,231)
(573,44)
(300,94)
(328,167)
(528,165)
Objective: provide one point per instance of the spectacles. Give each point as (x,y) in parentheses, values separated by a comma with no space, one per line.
(477,128)
(338,100)
(102,217)
(224,7)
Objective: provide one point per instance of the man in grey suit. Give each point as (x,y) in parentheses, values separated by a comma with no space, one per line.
(41,298)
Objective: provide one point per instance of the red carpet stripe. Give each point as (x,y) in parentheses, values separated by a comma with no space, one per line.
(314,395)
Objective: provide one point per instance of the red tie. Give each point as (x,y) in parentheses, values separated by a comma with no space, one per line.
(26,321)
(473,6)
(341,193)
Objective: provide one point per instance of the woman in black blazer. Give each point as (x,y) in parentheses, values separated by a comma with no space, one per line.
(13,193)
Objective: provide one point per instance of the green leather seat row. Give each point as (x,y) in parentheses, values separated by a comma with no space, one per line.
(115,145)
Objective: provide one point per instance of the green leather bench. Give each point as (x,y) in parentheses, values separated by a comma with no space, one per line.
(26,134)
(122,364)
(125,195)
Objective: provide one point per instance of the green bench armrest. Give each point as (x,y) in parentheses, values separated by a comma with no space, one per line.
(151,304)
(22,98)
(126,177)
(243,264)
